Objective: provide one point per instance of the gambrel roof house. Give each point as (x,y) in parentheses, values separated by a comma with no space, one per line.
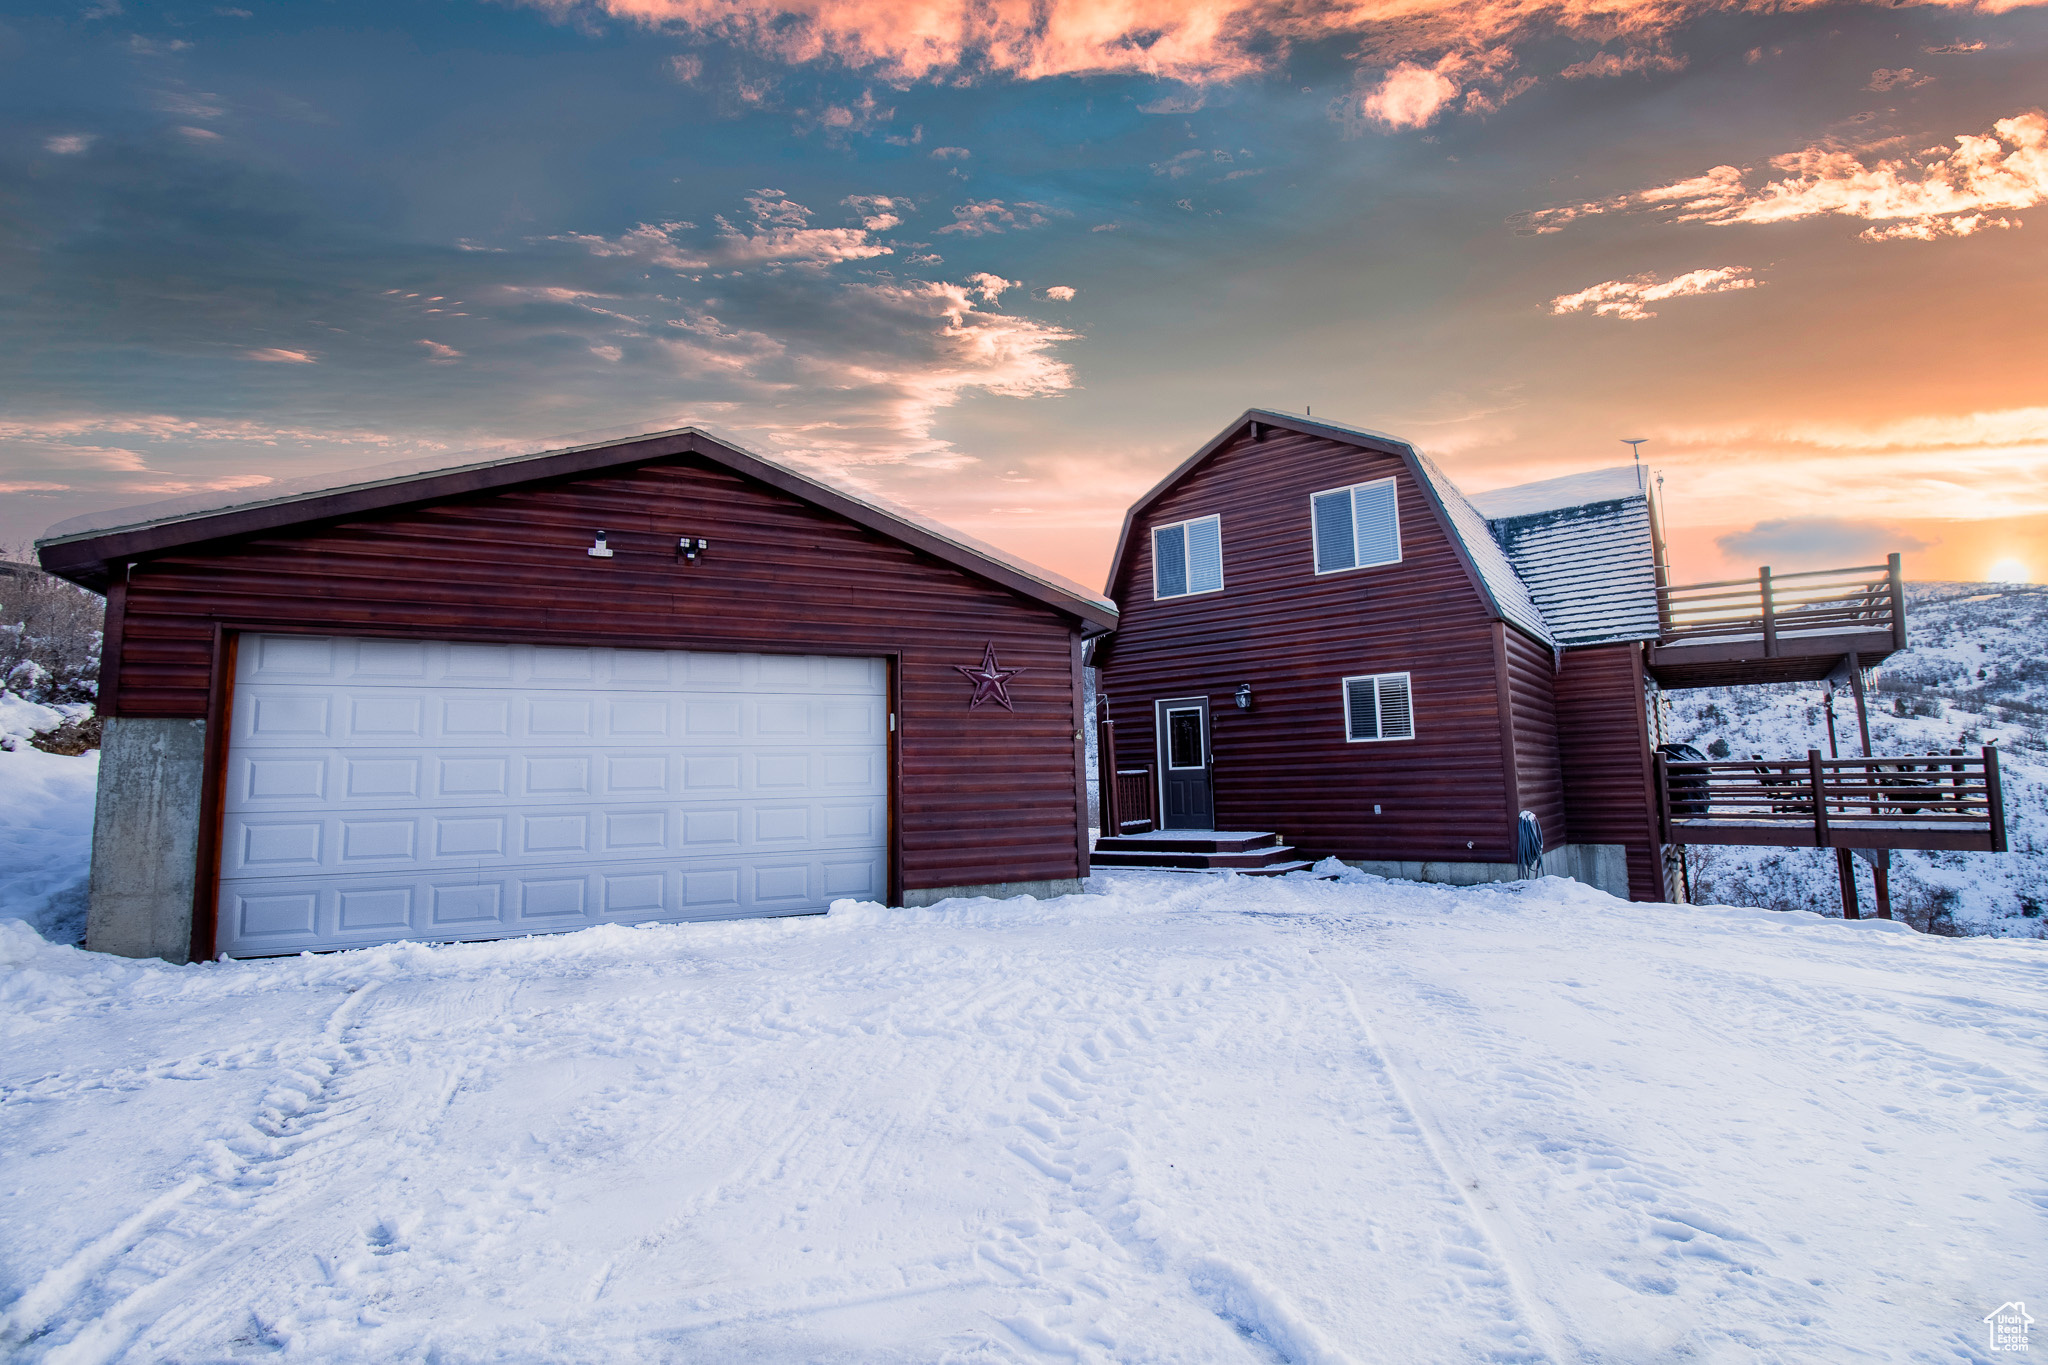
(1323,640)
(659,678)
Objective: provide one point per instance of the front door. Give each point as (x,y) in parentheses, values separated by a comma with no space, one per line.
(1186,797)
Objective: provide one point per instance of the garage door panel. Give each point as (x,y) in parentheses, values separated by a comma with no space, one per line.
(381,790)
(287,915)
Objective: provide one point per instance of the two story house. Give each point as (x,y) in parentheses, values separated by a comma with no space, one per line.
(1325,648)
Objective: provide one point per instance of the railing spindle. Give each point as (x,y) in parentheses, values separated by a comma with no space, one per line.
(1898,595)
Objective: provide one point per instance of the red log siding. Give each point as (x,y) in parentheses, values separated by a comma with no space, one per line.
(1530,676)
(1285,765)
(984,796)
(1604,732)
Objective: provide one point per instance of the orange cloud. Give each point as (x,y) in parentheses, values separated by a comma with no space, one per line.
(279,356)
(1935,194)
(1626,299)
(1189,40)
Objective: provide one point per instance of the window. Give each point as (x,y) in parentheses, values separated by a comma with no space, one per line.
(1184,747)
(1356,527)
(1187,557)
(1378,706)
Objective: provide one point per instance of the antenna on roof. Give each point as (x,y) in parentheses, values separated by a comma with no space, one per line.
(1635,445)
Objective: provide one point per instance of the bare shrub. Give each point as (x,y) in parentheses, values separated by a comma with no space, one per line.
(50,634)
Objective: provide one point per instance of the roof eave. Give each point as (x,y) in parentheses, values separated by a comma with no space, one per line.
(90,558)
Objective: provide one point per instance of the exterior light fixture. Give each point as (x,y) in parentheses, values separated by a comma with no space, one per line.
(600,550)
(1244,696)
(689,547)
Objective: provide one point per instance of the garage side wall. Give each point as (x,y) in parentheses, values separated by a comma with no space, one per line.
(985,796)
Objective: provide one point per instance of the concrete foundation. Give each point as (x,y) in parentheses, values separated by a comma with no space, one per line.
(1043,890)
(1599,865)
(145,838)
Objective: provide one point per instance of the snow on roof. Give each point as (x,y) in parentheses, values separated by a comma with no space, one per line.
(1511,594)
(1572,490)
(213,502)
(1583,545)
(1511,597)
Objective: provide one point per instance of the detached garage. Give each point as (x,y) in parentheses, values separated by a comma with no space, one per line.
(655,679)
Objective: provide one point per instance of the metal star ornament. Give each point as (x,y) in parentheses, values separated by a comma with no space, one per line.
(989,680)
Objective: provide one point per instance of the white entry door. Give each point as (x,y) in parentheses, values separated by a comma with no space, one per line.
(382,789)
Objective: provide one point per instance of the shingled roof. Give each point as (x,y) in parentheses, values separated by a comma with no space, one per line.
(1585,548)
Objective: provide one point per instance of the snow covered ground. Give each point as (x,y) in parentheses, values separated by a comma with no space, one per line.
(45,822)
(1176,1120)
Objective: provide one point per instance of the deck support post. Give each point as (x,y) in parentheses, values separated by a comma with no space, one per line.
(1845,864)
(1881,881)
(1816,776)
(1862,708)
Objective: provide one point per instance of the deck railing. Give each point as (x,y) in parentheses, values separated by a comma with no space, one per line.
(1786,608)
(1951,801)
(1134,793)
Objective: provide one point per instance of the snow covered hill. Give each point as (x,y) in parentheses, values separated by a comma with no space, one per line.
(1975,672)
(1178,1120)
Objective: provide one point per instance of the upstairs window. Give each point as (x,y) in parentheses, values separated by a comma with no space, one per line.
(1356,527)
(1187,557)
(1378,706)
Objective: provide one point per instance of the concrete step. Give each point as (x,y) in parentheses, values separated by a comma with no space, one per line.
(1189,841)
(1243,860)
(1268,870)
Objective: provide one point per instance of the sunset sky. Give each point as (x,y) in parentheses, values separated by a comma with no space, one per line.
(1010,262)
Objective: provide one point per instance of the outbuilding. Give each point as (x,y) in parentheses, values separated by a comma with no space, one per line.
(657,679)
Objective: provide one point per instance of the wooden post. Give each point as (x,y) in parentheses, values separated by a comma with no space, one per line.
(1763,578)
(1846,866)
(1862,711)
(1822,836)
(1995,795)
(1663,799)
(1105,769)
(1898,587)
(1881,881)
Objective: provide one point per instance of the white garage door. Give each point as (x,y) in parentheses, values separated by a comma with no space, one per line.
(381,790)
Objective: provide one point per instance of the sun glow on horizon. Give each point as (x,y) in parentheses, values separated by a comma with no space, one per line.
(2009,571)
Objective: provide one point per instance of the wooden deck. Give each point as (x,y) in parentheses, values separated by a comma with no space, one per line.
(1932,801)
(1778,627)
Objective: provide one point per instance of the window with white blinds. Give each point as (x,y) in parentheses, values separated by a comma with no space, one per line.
(1356,527)
(1378,706)
(1187,557)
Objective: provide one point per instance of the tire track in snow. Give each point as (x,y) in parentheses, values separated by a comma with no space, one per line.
(136,1280)
(1459,1176)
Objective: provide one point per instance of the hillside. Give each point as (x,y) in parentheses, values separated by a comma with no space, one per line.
(1975,673)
